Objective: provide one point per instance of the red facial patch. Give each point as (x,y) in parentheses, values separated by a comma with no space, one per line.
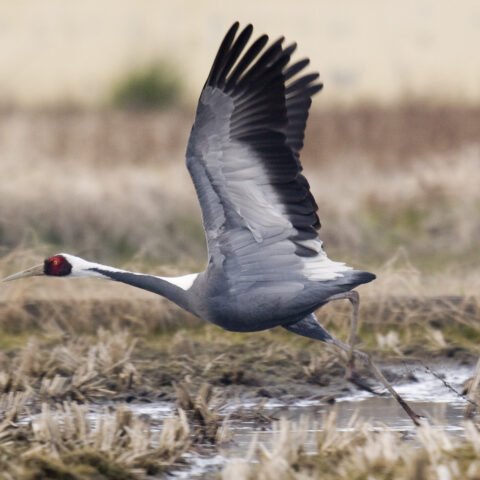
(57,266)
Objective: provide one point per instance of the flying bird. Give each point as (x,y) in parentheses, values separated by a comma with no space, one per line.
(266,265)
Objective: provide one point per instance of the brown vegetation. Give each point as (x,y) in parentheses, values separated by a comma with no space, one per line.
(114,185)
(362,451)
(398,193)
(61,442)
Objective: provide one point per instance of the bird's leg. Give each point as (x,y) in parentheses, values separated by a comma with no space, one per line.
(367,360)
(310,328)
(353,297)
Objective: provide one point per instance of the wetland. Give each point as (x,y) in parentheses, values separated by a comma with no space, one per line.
(102,381)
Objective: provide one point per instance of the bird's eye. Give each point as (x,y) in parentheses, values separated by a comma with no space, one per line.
(57,266)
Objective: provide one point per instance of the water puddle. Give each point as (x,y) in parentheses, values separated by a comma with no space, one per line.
(427,395)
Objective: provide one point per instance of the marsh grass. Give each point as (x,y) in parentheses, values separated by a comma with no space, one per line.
(403,322)
(203,410)
(112,186)
(398,194)
(361,451)
(62,442)
(202,369)
(76,369)
(419,307)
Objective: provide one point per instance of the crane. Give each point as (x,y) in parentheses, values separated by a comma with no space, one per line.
(266,263)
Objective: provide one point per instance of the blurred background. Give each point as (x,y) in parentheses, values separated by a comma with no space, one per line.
(97,99)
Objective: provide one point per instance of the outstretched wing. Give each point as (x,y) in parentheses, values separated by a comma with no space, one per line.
(260,218)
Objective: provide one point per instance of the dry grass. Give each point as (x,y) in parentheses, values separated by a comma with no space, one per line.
(397,189)
(77,369)
(202,409)
(113,185)
(398,193)
(61,442)
(72,186)
(392,136)
(191,367)
(362,452)
(123,437)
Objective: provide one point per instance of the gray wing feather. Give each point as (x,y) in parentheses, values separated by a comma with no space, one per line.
(243,155)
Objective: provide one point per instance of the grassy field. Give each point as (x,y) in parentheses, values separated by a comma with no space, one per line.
(114,185)
(398,194)
(363,452)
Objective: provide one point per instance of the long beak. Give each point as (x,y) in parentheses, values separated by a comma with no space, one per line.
(31,272)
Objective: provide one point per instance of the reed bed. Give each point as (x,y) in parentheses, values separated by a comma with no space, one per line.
(62,442)
(75,369)
(363,451)
(398,194)
(114,186)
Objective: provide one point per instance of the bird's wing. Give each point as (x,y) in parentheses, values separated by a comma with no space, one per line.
(243,156)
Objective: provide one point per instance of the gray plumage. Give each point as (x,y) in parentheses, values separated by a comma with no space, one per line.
(266,266)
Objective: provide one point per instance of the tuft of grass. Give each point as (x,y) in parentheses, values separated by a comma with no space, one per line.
(202,411)
(155,86)
(62,443)
(361,452)
(76,369)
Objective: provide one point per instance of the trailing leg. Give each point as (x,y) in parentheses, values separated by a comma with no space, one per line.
(309,327)
(354,298)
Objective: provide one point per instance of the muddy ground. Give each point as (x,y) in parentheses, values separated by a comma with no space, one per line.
(72,392)
(169,347)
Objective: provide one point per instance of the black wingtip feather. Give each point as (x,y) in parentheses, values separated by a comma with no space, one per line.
(290,49)
(247,59)
(260,67)
(295,68)
(235,51)
(220,58)
(272,99)
(302,82)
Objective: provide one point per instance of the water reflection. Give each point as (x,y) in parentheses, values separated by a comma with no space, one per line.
(428,395)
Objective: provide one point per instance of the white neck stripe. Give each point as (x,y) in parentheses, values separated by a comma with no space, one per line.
(184,281)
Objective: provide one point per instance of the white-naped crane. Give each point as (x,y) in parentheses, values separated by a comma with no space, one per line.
(266,265)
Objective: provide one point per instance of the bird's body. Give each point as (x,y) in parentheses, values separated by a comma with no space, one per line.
(213,296)
(266,265)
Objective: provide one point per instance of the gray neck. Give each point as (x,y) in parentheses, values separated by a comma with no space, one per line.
(153,284)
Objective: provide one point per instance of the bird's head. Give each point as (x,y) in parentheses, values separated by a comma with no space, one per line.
(59,265)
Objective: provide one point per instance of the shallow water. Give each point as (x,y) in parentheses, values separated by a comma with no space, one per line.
(428,396)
